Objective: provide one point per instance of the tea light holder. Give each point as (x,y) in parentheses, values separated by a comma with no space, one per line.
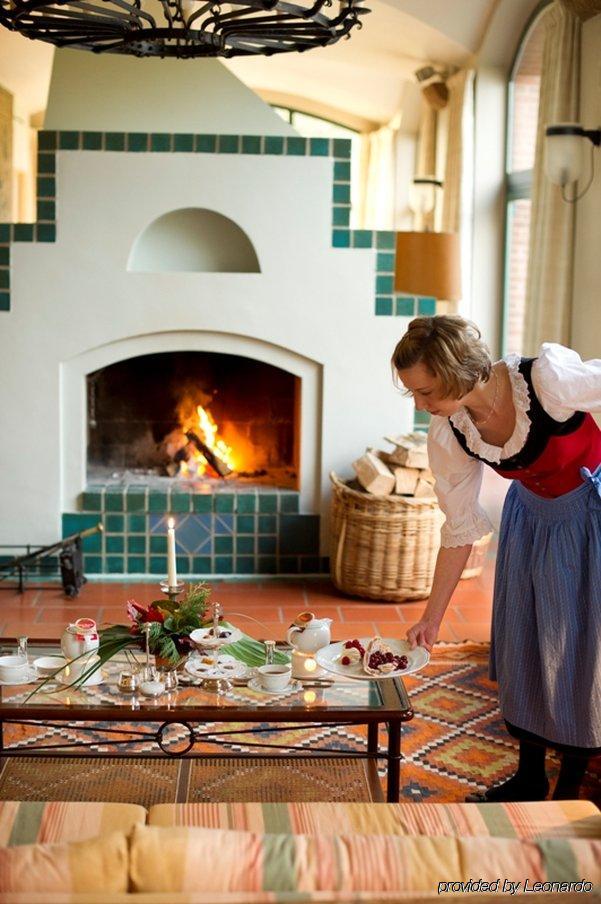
(305,667)
(172,592)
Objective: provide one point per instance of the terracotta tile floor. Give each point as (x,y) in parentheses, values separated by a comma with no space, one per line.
(44,613)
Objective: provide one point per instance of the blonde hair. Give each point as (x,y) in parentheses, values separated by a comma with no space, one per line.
(450,347)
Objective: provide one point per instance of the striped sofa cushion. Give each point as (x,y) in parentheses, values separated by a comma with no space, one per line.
(579,819)
(218,861)
(32,821)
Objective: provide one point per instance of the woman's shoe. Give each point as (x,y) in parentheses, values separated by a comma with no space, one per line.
(514,789)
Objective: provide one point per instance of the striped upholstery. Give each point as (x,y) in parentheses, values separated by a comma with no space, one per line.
(577,819)
(38,822)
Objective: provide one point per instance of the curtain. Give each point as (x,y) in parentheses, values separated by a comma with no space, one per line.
(584,9)
(425,163)
(551,253)
(376,202)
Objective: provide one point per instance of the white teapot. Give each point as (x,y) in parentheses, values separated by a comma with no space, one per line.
(78,638)
(309,634)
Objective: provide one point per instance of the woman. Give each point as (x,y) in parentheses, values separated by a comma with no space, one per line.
(530,420)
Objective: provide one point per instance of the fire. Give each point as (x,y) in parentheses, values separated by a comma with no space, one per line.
(203,424)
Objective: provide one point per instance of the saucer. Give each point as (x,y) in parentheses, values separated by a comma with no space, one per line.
(92,681)
(255,685)
(30,676)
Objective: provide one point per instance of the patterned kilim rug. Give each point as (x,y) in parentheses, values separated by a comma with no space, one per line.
(455,744)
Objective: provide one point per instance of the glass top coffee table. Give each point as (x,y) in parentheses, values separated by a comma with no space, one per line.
(192,720)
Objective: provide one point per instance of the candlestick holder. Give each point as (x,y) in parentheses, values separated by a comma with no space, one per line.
(172,592)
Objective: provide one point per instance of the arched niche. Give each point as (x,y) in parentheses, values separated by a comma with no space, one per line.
(193,240)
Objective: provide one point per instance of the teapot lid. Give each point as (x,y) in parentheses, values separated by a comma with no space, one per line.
(82,626)
(303,619)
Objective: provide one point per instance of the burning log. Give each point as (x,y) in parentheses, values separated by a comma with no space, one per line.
(218,465)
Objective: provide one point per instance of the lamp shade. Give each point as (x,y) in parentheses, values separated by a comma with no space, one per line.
(564,143)
(428,263)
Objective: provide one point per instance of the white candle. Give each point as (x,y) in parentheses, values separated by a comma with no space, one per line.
(171,568)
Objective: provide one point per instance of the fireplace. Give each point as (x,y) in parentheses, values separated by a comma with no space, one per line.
(193,418)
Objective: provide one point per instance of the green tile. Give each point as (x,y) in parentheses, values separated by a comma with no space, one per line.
(309,565)
(325,565)
(319,147)
(115,564)
(341,193)
(136,565)
(4,256)
(137,141)
(202,502)
(114,523)
(268,524)
(404,306)
(46,232)
(224,565)
(245,564)
(180,502)
(183,564)
(224,545)
(46,186)
(385,240)
(157,502)
(385,262)
(341,238)
(136,544)
(5,232)
(383,306)
(342,147)
(4,279)
(114,141)
(158,544)
(46,210)
(46,164)
(46,141)
(421,417)
(426,306)
(245,524)
(160,142)
(114,544)
(299,534)
(384,285)
(202,565)
(74,522)
(224,502)
(245,545)
(268,502)
(245,503)
(205,143)
(183,142)
(289,502)
(4,301)
(157,565)
(68,141)
(92,502)
(267,565)
(267,545)
(23,232)
(251,144)
(296,147)
(113,501)
(92,564)
(288,565)
(136,524)
(92,543)
(274,144)
(228,144)
(136,501)
(92,141)
(341,216)
(342,171)
(363,238)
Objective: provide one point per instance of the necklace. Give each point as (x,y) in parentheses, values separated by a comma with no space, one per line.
(492,407)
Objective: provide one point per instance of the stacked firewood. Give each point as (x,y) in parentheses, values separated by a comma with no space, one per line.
(403,471)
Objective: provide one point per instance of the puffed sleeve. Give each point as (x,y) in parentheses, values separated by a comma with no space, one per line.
(458,480)
(564,383)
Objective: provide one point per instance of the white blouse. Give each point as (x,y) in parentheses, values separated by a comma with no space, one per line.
(563,384)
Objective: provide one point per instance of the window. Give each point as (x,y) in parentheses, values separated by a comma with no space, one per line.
(522,122)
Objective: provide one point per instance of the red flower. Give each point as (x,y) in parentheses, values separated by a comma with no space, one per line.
(154,615)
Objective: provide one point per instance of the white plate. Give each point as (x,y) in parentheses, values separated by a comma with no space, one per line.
(224,667)
(202,637)
(329,659)
(46,666)
(30,677)
(255,685)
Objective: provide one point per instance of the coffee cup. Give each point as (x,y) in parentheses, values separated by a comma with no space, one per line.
(13,668)
(274,677)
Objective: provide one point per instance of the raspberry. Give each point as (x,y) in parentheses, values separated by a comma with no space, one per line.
(346,660)
(356,644)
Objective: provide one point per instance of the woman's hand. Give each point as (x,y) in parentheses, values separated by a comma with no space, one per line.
(423,634)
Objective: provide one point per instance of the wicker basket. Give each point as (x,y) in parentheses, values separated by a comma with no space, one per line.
(383,547)
(475,563)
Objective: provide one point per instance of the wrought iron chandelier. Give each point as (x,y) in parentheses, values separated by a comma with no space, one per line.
(184,28)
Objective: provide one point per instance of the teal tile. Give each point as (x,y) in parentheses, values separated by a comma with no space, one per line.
(68,141)
(245,545)
(92,502)
(202,565)
(158,544)
(136,501)
(183,564)
(206,144)
(267,545)
(426,306)
(157,502)
(46,187)
(251,144)
(296,147)
(268,502)
(404,306)
(160,142)
(385,240)
(113,501)
(245,565)
(224,502)
(268,524)
(4,301)
(421,417)
(74,522)
(267,565)
(274,144)
(183,142)
(46,164)
(342,171)
(115,564)
(341,193)
(224,545)
(4,279)
(45,232)
(385,262)
(46,140)
(289,502)
(202,502)
(157,565)
(136,524)
(114,544)
(228,144)
(309,565)
(383,305)
(46,210)
(384,285)
(136,544)
(342,147)
(362,238)
(341,216)
(137,141)
(299,534)
(92,543)
(114,141)
(92,141)
(245,524)
(114,523)
(341,238)
(23,232)
(224,565)
(180,502)
(319,147)
(288,565)
(246,503)
(5,232)
(92,564)
(136,565)
(4,255)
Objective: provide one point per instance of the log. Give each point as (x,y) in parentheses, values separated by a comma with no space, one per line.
(408,452)
(405,480)
(218,465)
(373,475)
(424,490)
